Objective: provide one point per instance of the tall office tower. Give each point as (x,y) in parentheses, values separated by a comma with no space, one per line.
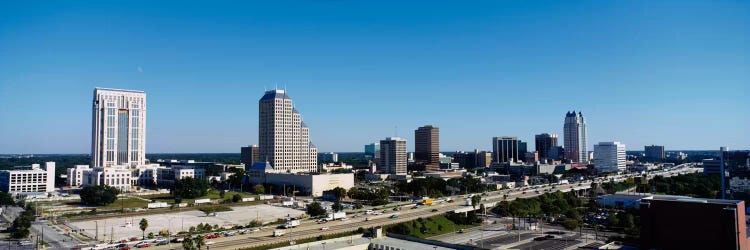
(250,154)
(393,156)
(544,142)
(372,151)
(504,149)
(118,128)
(427,147)
(283,137)
(654,152)
(575,138)
(610,157)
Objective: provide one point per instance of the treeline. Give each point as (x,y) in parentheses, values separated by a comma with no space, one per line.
(565,208)
(437,187)
(695,185)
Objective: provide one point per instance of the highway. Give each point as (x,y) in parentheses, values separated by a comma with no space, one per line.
(310,228)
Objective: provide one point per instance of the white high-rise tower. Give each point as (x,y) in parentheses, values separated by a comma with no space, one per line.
(576,134)
(118,128)
(284,139)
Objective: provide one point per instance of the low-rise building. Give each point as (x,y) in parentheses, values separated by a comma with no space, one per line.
(692,223)
(119,177)
(75,175)
(28,179)
(334,166)
(166,177)
(313,184)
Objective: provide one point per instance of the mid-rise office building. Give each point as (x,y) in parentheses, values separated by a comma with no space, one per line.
(669,222)
(28,179)
(712,166)
(610,157)
(118,176)
(505,149)
(522,150)
(393,156)
(544,143)
(483,159)
(654,152)
(284,139)
(427,147)
(166,177)
(531,157)
(76,174)
(118,128)
(372,151)
(576,134)
(250,154)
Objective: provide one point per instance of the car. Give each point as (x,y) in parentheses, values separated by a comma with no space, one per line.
(461,231)
(124,248)
(434,210)
(324,228)
(143,245)
(123,241)
(255,230)
(394,216)
(122,245)
(133,238)
(162,243)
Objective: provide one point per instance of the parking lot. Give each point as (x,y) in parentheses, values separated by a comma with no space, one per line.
(126,227)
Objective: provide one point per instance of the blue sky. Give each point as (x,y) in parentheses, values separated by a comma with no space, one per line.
(675,73)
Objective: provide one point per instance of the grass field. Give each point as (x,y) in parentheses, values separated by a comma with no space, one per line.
(432,226)
(212,194)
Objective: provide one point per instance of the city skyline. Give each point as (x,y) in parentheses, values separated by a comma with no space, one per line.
(642,73)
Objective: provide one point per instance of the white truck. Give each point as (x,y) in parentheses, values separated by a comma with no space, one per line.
(291,223)
(336,216)
(278,232)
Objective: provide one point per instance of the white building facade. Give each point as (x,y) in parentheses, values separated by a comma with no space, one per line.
(28,179)
(610,157)
(576,137)
(284,139)
(118,134)
(393,156)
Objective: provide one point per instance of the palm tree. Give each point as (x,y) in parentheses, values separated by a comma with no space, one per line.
(143,225)
(187,244)
(199,242)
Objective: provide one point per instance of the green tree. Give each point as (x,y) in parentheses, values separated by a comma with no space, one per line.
(339,193)
(190,188)
(236,198)
(315,209)
(570,224)
(475,201)
(188,244)
(199,242)
(143,225)
(259,189)
(98,195)
(337,207)
(6,199)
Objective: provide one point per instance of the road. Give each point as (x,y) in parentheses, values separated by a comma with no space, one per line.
(311,229)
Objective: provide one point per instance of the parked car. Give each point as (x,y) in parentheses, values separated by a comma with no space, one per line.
(143,245)
(324,228)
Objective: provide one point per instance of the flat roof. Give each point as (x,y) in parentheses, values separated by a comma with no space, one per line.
(694,200)
(121,90)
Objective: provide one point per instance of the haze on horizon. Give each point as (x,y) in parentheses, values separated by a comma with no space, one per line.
(672,73)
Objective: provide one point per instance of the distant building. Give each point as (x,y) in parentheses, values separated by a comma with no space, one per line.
(427,147)
(505,149)
(28,179)
(576,138)
(556,153)
(654,152)
(711,166)
(522,150)
(335,166)
(114,176)
(313,184)
(250,154)
(393,156)
(692,223)
(372,151)
(284,139)
(610,157)
(544,143)
(118,133)
(75,175)
(531,157)
(166,177)
(466,160)
(329,157)
(483,158)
